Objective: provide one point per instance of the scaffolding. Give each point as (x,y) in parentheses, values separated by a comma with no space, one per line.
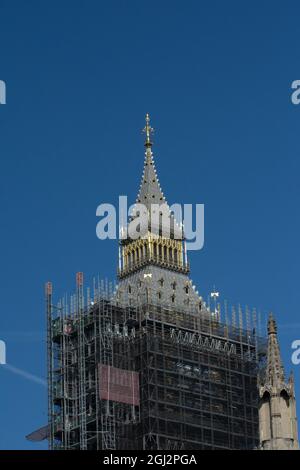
(140,375)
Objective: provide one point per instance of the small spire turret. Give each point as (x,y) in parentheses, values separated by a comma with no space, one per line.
(275,370)
(277,406)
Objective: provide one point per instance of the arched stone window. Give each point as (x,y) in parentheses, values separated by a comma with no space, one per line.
(285,396)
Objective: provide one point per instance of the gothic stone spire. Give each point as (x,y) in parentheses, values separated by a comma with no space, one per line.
(275,370)
(150,191)
(277,405)
(160,243)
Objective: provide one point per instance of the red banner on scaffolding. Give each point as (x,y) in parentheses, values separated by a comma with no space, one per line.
(119,385)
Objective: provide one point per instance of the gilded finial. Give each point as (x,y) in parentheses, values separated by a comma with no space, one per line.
(148,131)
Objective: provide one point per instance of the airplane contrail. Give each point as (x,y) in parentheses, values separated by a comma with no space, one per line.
(26,375)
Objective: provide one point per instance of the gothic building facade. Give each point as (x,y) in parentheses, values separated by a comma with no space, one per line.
(277,406)
(148,365)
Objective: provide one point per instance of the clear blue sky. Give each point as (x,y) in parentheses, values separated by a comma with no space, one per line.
(215,77)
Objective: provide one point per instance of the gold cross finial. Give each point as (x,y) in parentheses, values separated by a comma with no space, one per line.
(148,131)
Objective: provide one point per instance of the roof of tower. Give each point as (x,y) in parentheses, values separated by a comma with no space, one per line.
(150,191)
(275,370)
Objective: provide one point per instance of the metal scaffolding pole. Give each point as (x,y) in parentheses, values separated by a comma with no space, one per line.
(48,294)
(81,362)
